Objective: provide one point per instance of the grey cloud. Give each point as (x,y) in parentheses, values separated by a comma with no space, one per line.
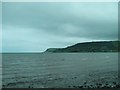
(58,24)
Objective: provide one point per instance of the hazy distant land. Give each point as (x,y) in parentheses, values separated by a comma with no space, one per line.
(98,46)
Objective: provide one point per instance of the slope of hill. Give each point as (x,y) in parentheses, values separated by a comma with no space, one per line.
(98,46)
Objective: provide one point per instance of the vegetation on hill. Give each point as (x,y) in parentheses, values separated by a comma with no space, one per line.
(98,46)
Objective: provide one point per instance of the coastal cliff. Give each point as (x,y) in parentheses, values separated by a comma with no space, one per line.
(98,46)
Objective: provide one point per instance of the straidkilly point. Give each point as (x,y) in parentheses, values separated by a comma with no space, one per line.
(98,46)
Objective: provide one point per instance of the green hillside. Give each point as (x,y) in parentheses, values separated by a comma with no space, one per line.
(98,46)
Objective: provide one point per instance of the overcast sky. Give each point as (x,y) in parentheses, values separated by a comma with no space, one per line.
(34,27)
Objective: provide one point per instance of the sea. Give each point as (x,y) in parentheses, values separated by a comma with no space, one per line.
(59,70)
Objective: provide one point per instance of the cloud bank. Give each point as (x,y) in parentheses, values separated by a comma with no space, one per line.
(34,27)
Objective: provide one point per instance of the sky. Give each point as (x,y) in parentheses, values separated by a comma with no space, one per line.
(36,26)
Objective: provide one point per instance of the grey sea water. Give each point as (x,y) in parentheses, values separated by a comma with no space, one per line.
(59,70)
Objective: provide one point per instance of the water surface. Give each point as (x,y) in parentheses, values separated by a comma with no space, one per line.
(46,70)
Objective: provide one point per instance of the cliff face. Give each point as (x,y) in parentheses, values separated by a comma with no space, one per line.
(51,49)
(102,46)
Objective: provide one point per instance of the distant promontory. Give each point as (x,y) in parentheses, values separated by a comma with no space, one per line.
(98,46)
